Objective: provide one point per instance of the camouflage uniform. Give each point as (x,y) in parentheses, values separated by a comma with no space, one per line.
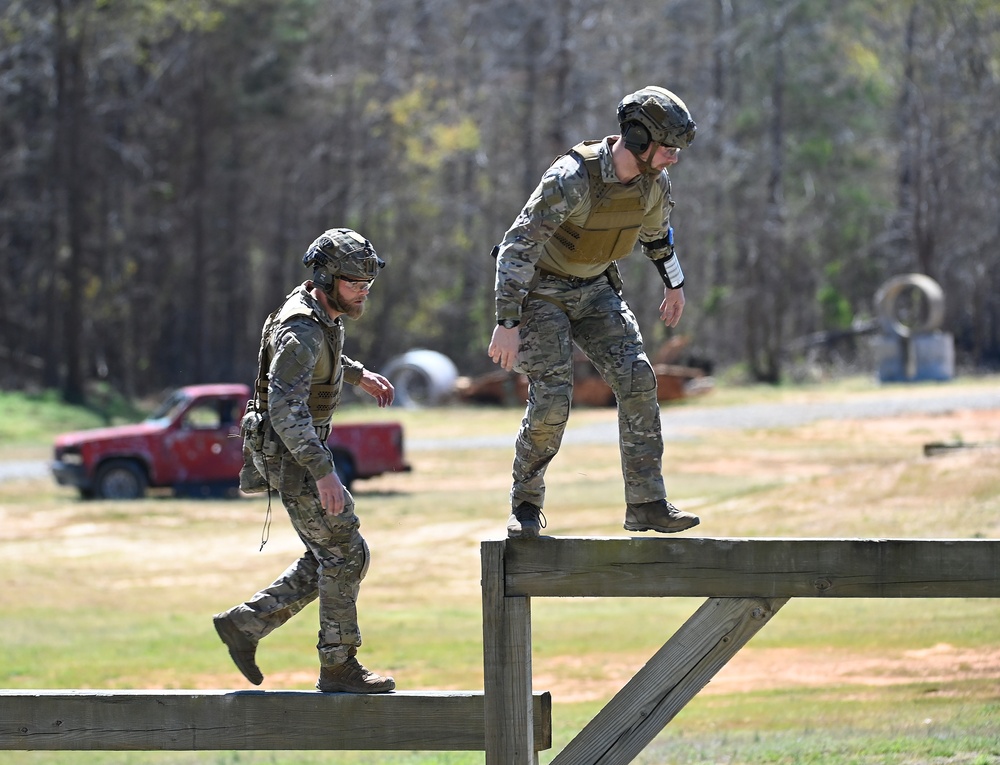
(560,299)
(305,349)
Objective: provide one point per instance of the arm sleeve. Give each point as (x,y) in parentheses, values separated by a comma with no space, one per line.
(657,236)
(656,224)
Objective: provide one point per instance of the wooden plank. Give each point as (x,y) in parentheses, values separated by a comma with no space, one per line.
(203,720)
(511,735)
(685,665)
(767,568)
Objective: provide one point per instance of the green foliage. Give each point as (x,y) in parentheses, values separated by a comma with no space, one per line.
(837,313)
(817,152)
(430,131)
(217,136)
(31,419)
(188,16)
(716,299)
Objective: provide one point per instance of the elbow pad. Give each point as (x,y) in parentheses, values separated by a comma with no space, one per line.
(669,267)
(670,271)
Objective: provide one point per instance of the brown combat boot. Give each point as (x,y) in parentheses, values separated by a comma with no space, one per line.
(659,515)
(242,649)
(352,677)
(525,522)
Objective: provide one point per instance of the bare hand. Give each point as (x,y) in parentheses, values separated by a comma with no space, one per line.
(504,346)
(672,306)
(331,493)
(378,387)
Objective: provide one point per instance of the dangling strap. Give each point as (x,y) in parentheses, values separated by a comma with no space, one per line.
(260,387)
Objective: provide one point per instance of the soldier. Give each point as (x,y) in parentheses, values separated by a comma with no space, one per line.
(557,282)
(302,370)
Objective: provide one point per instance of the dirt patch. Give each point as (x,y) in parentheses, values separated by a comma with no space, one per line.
(809,450)
(763,669)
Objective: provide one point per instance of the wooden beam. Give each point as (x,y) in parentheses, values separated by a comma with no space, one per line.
(668,681)
(766,568)
(203,720)
(512,734)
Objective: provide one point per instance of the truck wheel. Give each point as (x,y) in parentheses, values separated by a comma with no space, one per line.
(345,468)
(120,479)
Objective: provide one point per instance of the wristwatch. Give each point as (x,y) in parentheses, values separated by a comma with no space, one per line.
(508,323)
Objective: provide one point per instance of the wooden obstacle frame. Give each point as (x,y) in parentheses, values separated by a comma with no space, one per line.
(745,581)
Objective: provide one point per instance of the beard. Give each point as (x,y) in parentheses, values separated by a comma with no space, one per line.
(355,311)
(350,310)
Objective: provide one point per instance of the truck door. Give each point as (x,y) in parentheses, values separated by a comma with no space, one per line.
(206,445)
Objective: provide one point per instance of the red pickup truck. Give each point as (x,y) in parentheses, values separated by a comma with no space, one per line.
(192,444)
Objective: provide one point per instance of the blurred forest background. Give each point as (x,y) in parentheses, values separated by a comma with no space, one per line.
(165,163)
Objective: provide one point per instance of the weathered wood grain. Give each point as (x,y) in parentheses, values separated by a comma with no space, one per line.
(512,737)
(766,568)
(202,720)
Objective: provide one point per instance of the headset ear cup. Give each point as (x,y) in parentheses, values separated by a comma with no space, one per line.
(636,137)
(323,279)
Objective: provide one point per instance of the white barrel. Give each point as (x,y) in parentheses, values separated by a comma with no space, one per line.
(421,378)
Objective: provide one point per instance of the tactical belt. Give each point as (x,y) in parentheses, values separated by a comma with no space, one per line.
(323,431)
(577,280)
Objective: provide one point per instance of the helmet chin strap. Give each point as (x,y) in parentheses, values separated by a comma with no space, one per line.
(645,166)
(331,293)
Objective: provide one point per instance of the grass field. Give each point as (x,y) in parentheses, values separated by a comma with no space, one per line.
(120,594)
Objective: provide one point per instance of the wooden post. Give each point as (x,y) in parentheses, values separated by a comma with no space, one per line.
(506,666)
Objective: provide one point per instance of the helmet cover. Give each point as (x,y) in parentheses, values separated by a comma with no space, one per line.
(655,114)
(341,252)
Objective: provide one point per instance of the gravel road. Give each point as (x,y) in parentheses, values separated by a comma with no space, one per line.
(23,469)
(682,423)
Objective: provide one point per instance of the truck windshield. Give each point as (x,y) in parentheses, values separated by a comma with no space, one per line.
(167,409)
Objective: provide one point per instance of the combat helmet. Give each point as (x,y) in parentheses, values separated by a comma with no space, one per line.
(654,114)
(341,252)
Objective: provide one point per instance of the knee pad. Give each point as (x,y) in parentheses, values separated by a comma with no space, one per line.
(557,412)
(643,377)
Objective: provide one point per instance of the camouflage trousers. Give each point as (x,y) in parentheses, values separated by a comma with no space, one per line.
(332,567)
(557,313)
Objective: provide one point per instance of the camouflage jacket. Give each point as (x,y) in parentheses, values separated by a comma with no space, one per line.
(564,194)
(305,347)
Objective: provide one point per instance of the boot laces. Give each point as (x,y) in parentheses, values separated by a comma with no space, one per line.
(529,512)
(356,670)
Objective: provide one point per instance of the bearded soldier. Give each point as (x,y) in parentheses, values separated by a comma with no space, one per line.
(557,283)
(302,371)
